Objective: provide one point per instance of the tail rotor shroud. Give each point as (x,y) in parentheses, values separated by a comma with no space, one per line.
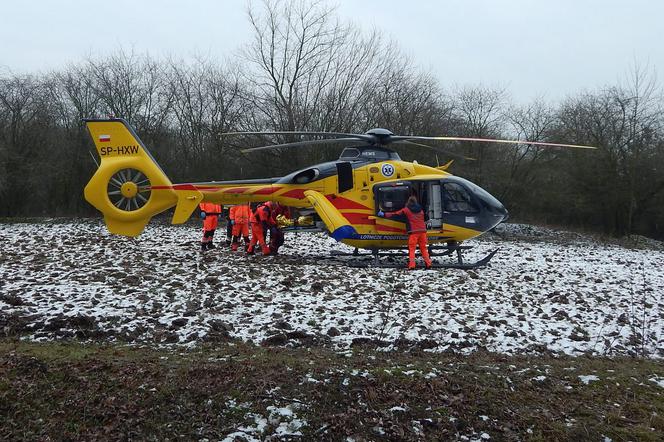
(129,189)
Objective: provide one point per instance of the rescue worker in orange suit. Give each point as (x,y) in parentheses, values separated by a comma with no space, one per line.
(229,228)
(276,235)
(259,220)
(239,218)
(413,215)
(229,224)
(209,213)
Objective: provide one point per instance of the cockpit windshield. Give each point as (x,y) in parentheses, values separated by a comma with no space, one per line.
(485,198)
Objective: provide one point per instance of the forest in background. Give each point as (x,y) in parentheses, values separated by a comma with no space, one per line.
(306,70)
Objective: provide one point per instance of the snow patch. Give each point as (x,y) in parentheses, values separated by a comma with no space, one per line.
(587,379)
(658,381)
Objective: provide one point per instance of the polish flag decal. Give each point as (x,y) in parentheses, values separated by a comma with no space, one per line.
(104,138)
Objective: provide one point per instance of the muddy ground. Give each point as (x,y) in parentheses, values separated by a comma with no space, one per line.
(545,291)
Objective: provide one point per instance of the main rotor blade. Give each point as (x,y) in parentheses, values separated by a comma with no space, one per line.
(436,148)
(316,134)
(302,143)
(490,140)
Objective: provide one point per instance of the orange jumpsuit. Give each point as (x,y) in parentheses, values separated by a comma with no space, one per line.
(240,217)
(417,232)
(231,221)
(212,212)
(259,219)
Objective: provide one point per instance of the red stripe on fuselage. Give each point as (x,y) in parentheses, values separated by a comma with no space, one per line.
(344,203)
(381,228)
(264,191)
(362,219)
(267,190)
(235,190)
(358,218)
(183,187)
(295,193)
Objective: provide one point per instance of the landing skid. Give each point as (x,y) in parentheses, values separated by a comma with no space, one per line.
(375,261)
(433,251)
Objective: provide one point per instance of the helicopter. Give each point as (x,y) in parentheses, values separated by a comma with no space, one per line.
(344,196)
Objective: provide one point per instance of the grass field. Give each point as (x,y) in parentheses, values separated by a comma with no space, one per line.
(236,391)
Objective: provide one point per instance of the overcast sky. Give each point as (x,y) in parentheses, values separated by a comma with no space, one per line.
(532,48)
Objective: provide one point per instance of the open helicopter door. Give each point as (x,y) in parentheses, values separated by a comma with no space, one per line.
(434,204)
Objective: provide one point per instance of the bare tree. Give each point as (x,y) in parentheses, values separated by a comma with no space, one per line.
(625,121)
(132,87)
(522,164)
(308,71)
(208,100)
(479,112)
(291,51)
(21,99)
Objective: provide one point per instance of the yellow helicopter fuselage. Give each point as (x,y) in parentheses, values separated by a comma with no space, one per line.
(345,194)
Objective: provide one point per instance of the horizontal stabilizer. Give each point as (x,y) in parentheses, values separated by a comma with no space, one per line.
(188,200)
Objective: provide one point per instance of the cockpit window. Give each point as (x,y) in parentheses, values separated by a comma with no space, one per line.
(350,152)
(457,198)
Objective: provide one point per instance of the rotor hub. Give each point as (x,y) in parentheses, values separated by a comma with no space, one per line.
(129,189)
(380,135)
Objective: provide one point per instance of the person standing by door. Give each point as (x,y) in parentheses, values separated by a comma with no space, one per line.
(413,215)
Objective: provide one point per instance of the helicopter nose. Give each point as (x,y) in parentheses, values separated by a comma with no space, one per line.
(501,212)
(497,208)
(494,212)
(506,215)
(494,208)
